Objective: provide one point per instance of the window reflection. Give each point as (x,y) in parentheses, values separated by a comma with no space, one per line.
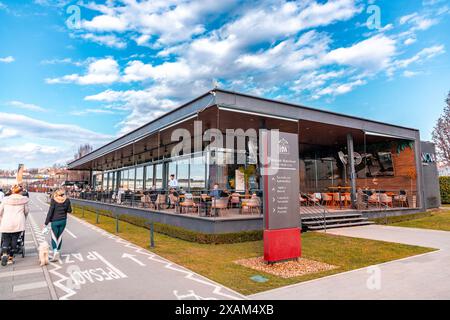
(148,177)
(159,176)
(139,178)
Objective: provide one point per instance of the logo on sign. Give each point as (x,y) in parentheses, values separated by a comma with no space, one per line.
(428,157)
(283,146)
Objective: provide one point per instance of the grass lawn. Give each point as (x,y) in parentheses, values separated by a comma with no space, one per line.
(216,261)
(437,220)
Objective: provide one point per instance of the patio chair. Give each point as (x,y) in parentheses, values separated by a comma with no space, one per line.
(219,205)
(347,199)
(173,201)
(302,200)
(160,201)
(327,199)
(235,200)
(312,199)
(145,201)
(252,204)
(188,205)
(401,199)
(373,199)
(338,200)
(385,200)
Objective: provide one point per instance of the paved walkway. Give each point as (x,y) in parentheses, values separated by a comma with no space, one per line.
(98,265)
(25,279)
(424,276)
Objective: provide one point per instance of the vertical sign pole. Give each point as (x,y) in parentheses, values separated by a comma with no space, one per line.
(152,238)
(282,237)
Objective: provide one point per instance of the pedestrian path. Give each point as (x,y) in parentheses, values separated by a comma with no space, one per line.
(96,264)
(25,279)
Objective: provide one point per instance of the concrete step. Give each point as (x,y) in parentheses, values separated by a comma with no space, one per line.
(334,221)
(329,216)
(340,225)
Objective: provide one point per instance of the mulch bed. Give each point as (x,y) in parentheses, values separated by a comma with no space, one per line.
(288,269)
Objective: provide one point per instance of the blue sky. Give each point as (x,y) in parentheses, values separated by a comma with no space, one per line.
(68,79)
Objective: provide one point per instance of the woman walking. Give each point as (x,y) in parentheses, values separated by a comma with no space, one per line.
(13,212)
(57,216)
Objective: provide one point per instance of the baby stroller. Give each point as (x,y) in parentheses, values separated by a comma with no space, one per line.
(20,244)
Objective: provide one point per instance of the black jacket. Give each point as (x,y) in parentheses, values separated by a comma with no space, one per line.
(58,211)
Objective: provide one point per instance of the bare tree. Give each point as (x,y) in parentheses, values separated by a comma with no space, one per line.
(83,150)
(441,134)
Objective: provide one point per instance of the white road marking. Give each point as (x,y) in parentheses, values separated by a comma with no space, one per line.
(71,233)
(133,258)
(30,286)
(20,272)
(122,275)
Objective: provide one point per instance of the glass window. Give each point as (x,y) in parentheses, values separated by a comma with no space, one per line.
(197,174)
(105,182)
(171,169)
(131,177)
(159,176)
(148,177)
(183,173)
(124,179)
(99,182)
(140,178)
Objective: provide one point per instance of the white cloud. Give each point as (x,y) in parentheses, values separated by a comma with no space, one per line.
(373,54)
(105,23)
(8,59)
(102,71)
(409,41)
(62,61)
(418,22)
(26,106)
(410,74)
(8,132)
(30,127)
(294,53)
(339,88)
(419,57)
(91,111)
(109,40)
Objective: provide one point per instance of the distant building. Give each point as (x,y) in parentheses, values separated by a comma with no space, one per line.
(443,169)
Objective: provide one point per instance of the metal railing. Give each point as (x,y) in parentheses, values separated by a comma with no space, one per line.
(321,210)
(206,204)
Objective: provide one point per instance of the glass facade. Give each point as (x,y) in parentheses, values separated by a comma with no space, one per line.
(139,179)
(159,176)
(148,177)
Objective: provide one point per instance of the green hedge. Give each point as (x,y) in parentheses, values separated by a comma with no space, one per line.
(181,233)
(444,183)
(406,217)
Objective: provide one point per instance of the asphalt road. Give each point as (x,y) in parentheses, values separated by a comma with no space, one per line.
(98,265)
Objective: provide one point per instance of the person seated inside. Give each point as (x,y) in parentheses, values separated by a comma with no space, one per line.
(153,194)
(215,192)
(173,183)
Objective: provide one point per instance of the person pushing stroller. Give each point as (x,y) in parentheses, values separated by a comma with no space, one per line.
(13,212)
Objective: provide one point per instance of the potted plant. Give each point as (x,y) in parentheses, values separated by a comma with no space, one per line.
(247,172)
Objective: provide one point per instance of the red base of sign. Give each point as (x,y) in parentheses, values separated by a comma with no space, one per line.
(282,244)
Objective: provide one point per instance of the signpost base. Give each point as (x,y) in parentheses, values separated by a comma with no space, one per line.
(282,244)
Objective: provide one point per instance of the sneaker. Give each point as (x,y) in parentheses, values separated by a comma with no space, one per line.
(55,257)
(4,259)
(10,260)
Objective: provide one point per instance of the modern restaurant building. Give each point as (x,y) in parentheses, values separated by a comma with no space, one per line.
(346,164)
